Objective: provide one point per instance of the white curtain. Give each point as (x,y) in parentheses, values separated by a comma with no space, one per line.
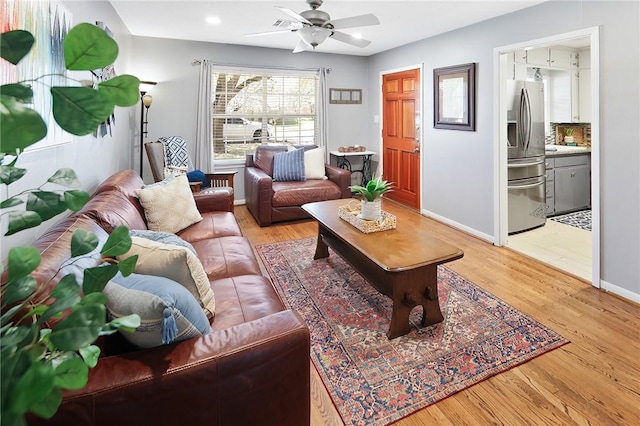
(204,126)
(323,108)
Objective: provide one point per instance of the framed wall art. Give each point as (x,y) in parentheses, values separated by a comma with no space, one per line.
(454,91)
(345,96)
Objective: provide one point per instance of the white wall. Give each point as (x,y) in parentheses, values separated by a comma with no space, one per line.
(92,159)
(174,97)
(458,166)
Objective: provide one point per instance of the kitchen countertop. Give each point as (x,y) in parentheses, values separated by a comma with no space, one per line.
(554,150)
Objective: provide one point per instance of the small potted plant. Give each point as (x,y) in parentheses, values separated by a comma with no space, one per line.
(568,134)
(371,205)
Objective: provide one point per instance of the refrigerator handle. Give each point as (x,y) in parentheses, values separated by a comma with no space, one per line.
(521,135)
(527,118)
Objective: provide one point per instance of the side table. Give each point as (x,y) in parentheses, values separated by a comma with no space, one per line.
(343,162)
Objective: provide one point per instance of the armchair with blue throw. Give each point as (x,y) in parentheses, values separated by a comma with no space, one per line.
(169,155)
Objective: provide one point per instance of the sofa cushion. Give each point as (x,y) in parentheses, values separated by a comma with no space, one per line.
(289,166)
(169,207)
(176,263)
(227,257)
(168,312)
(286,194)
(213,225)
(125,181)
(314,164)
(263,157)
(112,208)
(161,237)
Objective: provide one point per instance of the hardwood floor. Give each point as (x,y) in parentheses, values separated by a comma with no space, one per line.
(594,380)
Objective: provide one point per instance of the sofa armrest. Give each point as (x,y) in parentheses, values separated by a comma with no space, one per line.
(214,200)
(252,373)
(341,177)
(258,192)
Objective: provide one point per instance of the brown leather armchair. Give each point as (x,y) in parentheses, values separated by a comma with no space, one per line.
(271,201)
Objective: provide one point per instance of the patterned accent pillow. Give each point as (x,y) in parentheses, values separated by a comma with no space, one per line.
(169,207)
(176,263)
(161,237)
(289,166)
(168,312)
(314,164)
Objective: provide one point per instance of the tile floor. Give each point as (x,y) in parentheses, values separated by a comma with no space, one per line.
(565,247)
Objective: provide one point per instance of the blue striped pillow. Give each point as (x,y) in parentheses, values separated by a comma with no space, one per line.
(289,166)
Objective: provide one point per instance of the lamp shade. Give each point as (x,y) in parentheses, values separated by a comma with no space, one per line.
(314,36)
(147,100)
(145,86)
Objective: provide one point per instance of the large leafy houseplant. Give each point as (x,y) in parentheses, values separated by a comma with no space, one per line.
(38,362)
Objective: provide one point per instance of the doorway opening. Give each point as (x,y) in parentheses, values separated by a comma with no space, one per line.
(565,247)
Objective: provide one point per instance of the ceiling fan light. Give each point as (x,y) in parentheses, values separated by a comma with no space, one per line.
(314,36)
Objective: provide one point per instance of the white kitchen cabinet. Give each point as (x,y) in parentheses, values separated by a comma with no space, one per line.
(520,56)
(551,57)
(538,57)
(564,96)
(516,65)
(584,85)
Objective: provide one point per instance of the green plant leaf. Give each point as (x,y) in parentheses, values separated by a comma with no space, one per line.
(19,221)
(48,406)
(90,354)
(19,126)
(22,92)
(118,243)
(14,45)
(96,278)
(127,323)
(10,174)
(65,177)
(22,261)
(80,110)
(15,335)
(123,90)
(75,200)
(32,387)
(94,298)
(83,242)
(72,373)
(66,293)
(15,362)
(127,266)
(47,204)
(87,47)
(19,289)
(81,328)
(11,202)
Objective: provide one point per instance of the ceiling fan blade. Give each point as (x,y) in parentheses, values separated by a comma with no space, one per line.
(268,33)
(354,21)
(301,46)
(293,15)
(347,38)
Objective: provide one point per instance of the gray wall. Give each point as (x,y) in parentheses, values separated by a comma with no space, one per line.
(174,97)
(458,166)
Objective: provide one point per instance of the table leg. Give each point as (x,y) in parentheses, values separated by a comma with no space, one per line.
(431,313)
(366,169)
(322,250)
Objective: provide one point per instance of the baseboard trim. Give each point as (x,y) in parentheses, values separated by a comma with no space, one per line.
(622,292)
(459,226)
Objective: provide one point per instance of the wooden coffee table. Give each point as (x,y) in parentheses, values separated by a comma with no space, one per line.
(400,263)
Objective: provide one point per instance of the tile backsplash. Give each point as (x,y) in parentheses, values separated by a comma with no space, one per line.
(582,134)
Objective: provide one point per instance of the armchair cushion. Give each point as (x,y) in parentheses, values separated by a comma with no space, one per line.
(168,312)
(169,207)
(176,263)
(289,166)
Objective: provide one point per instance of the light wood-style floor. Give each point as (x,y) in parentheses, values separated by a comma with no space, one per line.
(594,380)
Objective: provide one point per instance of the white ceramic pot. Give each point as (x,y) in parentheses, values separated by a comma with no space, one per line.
(568,138)
(371,210)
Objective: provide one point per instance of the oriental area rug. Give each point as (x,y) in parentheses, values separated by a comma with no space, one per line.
(376,381)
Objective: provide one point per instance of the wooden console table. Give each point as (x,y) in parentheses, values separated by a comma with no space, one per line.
(342,161)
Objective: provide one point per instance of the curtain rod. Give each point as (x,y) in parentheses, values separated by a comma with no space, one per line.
(195,62)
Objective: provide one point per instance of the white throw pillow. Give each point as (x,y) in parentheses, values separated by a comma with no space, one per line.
(170,207)
(314,164)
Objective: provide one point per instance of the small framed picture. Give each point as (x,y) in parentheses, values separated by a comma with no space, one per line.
(345,96)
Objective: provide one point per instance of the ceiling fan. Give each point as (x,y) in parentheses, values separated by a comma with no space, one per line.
(315,26)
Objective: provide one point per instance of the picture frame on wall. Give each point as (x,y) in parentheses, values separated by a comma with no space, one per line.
(345,96)
(454,91)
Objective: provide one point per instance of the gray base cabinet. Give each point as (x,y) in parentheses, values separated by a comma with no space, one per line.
(568,184)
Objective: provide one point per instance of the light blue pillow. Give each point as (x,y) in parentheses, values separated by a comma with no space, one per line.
(289,166)
(162,237)
(161,183)
(168,311)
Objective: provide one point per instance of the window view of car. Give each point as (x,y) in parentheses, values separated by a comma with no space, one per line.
(242,130)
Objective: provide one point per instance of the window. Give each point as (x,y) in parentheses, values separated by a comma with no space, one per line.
(256,106)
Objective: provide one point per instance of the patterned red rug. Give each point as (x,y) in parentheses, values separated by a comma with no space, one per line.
(374,381)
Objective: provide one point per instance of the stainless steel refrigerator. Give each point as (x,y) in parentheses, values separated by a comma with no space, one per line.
(526,168)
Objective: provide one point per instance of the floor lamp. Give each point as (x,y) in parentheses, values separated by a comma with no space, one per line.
(146,101)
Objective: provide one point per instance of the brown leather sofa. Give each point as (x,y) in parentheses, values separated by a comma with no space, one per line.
(252,368)
(271,201)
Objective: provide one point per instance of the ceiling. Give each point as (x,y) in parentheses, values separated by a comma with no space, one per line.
(401,22)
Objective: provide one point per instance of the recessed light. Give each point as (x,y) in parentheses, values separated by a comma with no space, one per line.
(213,20)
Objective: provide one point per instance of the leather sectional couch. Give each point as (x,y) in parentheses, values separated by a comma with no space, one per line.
(252,368)
(271,201)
